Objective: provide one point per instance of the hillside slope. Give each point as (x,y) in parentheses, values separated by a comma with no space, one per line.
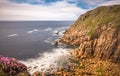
(96,38)
(96,34)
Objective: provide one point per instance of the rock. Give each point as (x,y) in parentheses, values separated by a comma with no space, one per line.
(60,68)
(42,64)
(35,67)
(59,73)
(21,74)
(52,72)
(47,69)
(65,74)
(101,41)
(36,73)
(95,36)
(29,68)
(55,42)
(44,74)
(56,32)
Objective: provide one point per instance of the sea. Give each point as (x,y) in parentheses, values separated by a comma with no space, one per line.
(30,42)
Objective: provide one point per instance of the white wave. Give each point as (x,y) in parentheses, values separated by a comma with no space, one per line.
(64,27)
(12,35)
(48,29)
(49,40)
(47,60)
(61,28)
(30,31)
(35,30)
(60,33)
(56,32)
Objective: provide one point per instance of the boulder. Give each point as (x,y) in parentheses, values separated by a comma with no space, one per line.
(56,32)
(36,73)
(44,74)
(56,42)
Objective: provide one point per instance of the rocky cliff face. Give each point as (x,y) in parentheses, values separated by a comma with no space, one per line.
(96,34)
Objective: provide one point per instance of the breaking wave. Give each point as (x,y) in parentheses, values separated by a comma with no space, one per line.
(12,35)
(34,30)
(49,40)
(47,60)
(59,31)
(48,29)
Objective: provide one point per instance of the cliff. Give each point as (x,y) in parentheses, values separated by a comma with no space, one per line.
(96,34)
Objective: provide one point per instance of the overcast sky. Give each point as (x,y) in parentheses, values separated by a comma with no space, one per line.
(48,9)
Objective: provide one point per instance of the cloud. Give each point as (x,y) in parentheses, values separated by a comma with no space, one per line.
(56,10)
(111,2)
(101,2)
(38,1)
(90,4)
(93,2)
(60,10)
(28,1)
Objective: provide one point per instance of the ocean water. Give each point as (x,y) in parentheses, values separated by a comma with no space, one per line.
(31,41)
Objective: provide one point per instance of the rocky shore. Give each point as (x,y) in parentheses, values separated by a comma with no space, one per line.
(95,37)
(96,34)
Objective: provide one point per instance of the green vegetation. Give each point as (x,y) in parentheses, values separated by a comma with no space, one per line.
(82,67)
(56,75)
(100,72)
(117,22)
(2,73)
(99,16)
(90,32)
(102,25)
(11,67)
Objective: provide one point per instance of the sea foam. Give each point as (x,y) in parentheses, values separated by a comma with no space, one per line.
(34,30)
(12,35)
(48,29)
(47,60)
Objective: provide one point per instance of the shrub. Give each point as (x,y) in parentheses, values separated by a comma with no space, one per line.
(11,66)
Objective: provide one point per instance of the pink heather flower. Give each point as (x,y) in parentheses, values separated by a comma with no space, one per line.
(11,66)
(13,59)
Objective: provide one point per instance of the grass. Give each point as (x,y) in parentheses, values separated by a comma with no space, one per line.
(56,75)
(82,67)
(100,72)
(117,22)
(98,16)
(77,63)
(2,73)
(90,32)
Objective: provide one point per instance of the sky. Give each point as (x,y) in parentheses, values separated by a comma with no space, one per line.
(50,10)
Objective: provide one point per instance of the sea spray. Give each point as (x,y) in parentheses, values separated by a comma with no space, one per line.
(47,60)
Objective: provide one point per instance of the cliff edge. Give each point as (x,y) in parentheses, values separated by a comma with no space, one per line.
(96,34)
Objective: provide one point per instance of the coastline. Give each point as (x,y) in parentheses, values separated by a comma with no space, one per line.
(47,61)
(97,48)
(51,61)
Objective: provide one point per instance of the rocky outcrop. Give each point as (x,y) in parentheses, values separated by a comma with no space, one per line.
(96,34)
(96,38)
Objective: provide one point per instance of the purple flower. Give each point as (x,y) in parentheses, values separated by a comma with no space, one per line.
(11,66)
